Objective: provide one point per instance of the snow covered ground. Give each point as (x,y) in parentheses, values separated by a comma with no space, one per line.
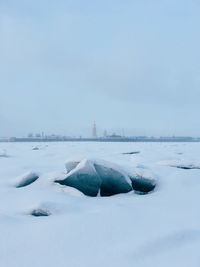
(155,230)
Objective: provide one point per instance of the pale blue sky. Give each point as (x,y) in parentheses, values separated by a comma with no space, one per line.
(132,65)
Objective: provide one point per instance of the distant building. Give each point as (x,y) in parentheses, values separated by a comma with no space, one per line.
(38,135)
(94,131)
(114,135)
(30,135)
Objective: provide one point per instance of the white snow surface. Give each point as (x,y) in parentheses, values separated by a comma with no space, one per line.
(155,230)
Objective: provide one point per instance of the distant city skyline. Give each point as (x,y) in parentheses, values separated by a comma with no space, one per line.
(132,65)
(94,130)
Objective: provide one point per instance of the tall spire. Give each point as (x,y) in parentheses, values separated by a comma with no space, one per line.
(94,130)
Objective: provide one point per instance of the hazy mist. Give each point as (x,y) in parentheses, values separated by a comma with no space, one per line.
(132,65)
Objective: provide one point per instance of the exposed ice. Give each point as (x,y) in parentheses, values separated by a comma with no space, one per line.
(112,181)
(26,179)
(35,148)
(96,176)
(182,164)
(40,213)
(83,178)
(143,185)
(187,167)
(131,153)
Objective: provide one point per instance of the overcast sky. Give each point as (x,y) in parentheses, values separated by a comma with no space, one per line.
(128,64)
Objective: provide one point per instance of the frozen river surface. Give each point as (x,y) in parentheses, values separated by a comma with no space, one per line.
(155,230)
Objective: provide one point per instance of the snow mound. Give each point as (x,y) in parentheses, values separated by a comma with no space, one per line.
(70,165)
(26,179)
(3,154)
(97,177)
